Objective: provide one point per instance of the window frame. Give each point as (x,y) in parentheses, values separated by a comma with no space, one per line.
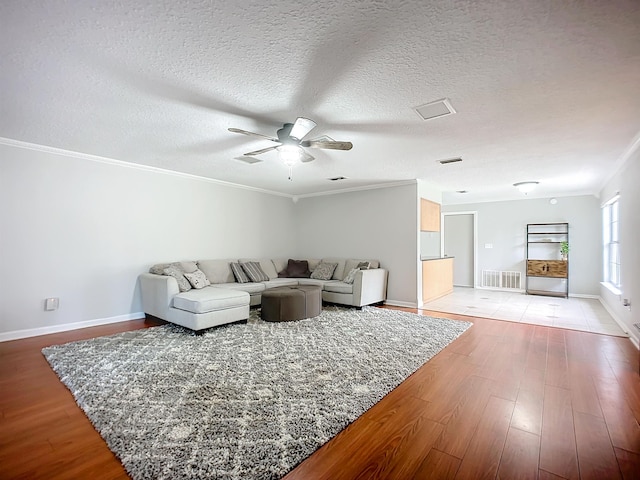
(611,242)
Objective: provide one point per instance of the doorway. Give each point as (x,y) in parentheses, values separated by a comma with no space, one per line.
(459,241)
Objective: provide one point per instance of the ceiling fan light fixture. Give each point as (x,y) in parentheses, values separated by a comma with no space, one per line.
(526,187)
(290,154)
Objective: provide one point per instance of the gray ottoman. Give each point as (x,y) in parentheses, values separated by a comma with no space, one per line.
(283,304)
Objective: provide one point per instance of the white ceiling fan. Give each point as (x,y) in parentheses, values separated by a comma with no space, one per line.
(290,142)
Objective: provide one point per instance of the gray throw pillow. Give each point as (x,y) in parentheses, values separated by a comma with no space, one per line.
(238,272)
(197,279)
(158,269)
(324,271)
(254,272)
(175,272)
(351,276)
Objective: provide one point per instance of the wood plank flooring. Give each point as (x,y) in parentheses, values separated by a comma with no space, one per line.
(505,400)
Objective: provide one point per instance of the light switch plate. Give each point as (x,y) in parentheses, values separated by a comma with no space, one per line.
(51,303)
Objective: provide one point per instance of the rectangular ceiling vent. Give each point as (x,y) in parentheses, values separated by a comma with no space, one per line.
(337,179)
(449,160)
(439,108)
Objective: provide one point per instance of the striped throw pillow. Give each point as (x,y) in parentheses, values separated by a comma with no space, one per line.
(254,272)
(238,272)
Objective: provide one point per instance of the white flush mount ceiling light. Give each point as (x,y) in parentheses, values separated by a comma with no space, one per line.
(525,187)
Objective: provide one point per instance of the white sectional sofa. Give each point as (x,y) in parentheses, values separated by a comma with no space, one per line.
(224,300)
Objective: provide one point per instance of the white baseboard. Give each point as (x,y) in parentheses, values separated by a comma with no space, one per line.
(398,303)
(65,327)
(584,295)
(498,289)
(632,335)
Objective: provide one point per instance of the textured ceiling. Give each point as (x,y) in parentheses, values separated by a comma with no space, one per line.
(544,90)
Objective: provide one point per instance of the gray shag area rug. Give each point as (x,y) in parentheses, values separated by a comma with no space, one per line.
(243,401)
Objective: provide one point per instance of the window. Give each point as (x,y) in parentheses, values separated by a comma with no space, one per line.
(611,254)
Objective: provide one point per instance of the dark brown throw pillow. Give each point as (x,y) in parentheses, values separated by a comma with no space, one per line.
(296,269)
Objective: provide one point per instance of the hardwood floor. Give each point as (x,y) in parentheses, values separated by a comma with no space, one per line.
(505,400)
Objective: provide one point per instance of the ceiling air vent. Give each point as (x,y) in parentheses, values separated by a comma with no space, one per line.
(439,108)
(450,160)
(337,179)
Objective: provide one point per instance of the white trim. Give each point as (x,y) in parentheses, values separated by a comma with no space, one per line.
(35,332)
(359,189)
(615,197)
(398,303)
(583,295)
(612,288)
(632,335)
(497,289)
(110,161)
(475,240)
(622,159)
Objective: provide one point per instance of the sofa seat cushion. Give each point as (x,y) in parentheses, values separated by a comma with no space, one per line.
(243,287)
(338,287)
(210,299)
(313,281)
(281,282)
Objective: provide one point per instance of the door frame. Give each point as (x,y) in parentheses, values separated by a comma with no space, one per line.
(474,213)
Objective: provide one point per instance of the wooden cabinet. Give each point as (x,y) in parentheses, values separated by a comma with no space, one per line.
(437,278)
(546,274)
(429,216)
(547,268)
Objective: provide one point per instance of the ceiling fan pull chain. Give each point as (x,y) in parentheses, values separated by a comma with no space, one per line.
(290,172)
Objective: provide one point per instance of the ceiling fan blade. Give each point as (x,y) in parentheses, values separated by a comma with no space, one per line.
(306,158)
(301,128)
(252,134)
(249,160)
(262,150)
(333,145)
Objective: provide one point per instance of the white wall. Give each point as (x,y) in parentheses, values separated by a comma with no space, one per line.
(626,181)
(83,230)
(380,223)
(503,224)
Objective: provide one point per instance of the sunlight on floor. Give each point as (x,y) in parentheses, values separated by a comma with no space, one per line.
(585,314)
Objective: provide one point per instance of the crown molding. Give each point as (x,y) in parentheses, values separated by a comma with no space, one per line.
(622,160)
(121,163)
(357,189)
(110,161)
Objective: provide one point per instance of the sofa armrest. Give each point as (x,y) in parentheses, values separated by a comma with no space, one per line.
(157,293)
(370,286)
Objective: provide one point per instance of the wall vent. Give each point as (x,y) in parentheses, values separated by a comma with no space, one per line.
(437,109)
(449,160)
(337,179)
(502,279)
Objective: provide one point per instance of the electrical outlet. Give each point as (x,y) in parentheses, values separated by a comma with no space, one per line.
(51,303)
